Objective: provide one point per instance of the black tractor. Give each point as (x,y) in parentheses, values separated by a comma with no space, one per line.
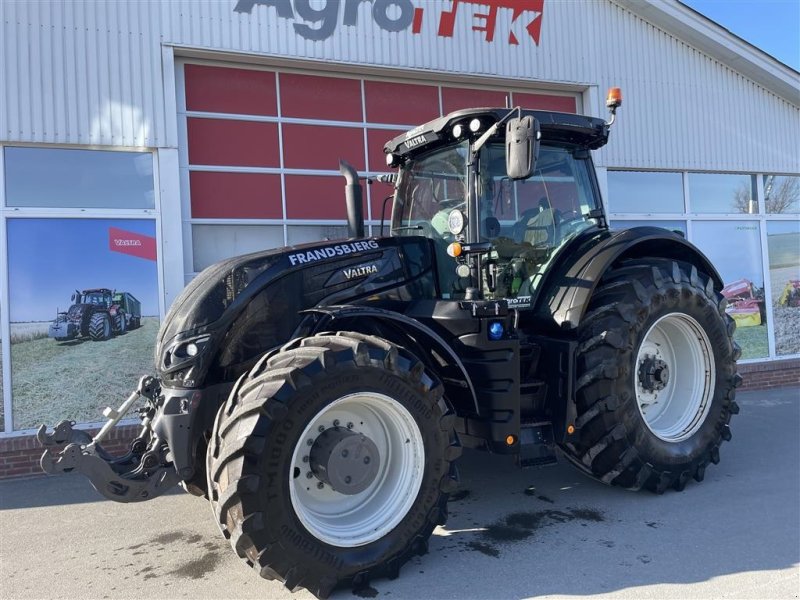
(319,396)
(94,314)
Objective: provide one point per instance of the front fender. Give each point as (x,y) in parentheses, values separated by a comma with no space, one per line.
(398,328)
(568,286)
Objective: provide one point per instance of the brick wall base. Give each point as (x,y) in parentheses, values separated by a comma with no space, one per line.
(778,373)
(19,456)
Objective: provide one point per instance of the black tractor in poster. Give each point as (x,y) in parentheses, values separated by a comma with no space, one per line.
(97,314)
(319,396)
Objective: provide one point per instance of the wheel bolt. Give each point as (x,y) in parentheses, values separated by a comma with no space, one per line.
(349,425)
(336,422)
(305,459)
(348,479)
(321,428)
(366,460)
(345,453)
(320,485)
(309,475)
(309,442)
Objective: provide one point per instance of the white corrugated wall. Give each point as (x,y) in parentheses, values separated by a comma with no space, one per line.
(91,73)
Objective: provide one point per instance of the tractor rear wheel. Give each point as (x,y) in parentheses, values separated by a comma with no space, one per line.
(99,327)
(332,461)
(656,377)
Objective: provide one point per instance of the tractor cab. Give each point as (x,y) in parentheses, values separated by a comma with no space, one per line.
(496,227)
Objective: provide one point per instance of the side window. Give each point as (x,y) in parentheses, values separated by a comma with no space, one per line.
(528,220)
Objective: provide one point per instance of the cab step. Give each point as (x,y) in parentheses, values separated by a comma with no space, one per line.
(537,445)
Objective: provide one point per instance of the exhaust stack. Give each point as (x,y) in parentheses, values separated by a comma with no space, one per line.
(352,195)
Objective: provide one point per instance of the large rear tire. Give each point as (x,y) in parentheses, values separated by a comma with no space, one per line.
(120,324)
(283,481)
(656,377)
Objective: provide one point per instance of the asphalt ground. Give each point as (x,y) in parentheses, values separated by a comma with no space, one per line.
(512,533)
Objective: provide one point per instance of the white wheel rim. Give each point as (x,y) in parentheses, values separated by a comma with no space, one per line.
(355,520)
(674,410)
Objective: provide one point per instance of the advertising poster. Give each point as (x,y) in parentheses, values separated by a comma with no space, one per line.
(83,303)
(2,404)
(783,243)
(734,248)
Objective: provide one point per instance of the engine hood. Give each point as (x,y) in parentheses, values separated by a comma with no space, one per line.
(239,308)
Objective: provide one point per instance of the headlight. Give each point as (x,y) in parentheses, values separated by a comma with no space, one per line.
(456,221)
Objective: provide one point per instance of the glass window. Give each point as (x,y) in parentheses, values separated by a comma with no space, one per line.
(59,178)
(783,244)
(781,194)
(734,248)
(302,234)
(671,225)
(722,193)
(645,192)
(212,243)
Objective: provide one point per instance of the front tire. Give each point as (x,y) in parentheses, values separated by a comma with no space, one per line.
(655,377)
(99,327)
(282,480)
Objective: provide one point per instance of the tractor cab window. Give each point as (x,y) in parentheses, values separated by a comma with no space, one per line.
(428,189)
(95,298)
(529,220)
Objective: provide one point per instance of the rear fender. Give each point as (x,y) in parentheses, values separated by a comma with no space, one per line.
(568,287)
(400,329)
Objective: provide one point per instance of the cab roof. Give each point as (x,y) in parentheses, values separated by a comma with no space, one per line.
(570,128)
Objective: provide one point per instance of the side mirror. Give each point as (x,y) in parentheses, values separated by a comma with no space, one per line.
(522,147)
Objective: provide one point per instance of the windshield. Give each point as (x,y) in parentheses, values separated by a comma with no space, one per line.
(526,220)
(95,298)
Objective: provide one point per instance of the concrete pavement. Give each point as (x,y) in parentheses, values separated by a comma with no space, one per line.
(511,534)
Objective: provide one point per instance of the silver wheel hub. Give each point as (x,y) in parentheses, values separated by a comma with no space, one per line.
(346,461)
(357,469)
(674,377)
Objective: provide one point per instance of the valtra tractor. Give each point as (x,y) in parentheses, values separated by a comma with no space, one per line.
(95,313)
(320,395)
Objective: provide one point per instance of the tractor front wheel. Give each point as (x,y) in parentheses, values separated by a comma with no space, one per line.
(332,461)
(99,327)
(656,377)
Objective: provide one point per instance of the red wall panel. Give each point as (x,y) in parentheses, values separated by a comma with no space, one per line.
(316,197)
(545,102)
(312,97)
(320,147)
(238,91)
(376,138)
(235,195)
(234,143)
(400,103)
(458,98)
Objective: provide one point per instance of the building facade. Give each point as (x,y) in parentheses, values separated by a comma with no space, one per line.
(140,142)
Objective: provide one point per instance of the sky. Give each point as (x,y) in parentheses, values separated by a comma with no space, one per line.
(771,25)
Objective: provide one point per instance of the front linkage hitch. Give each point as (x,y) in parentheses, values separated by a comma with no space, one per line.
(141,474)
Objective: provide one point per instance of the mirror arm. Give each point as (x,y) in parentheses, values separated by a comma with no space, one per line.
(481,141)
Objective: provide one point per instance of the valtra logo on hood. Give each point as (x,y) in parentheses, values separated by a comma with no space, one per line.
(511,21)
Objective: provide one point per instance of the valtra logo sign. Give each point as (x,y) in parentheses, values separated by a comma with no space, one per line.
(130,242)
(510,21)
